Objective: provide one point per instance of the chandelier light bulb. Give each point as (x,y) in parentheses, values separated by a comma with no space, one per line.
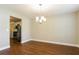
(37,19)
(40,21)
(44,19)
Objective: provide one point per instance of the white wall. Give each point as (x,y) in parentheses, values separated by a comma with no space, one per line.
(60,28)
(5,27)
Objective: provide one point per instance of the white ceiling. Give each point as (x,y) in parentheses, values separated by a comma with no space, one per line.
(48,11)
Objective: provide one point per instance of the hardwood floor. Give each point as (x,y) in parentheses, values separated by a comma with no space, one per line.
(39,48)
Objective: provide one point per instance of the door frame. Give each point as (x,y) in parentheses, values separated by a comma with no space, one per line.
(12,19)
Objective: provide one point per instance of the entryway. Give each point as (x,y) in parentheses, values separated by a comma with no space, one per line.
(15,30)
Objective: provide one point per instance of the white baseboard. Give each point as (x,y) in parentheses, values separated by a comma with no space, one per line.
(6,47)
(26,40)
(67,44)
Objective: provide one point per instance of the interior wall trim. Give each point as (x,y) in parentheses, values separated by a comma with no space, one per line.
(6,47)
(66,44)
(26,41)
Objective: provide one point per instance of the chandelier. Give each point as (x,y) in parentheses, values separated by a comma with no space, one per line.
(40,19)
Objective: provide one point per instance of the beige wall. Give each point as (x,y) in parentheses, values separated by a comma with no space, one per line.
(60,28)
(77,27)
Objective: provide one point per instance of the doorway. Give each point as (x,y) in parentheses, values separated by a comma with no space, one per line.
(15,30)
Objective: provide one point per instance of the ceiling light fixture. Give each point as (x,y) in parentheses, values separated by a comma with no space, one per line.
(40,18)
